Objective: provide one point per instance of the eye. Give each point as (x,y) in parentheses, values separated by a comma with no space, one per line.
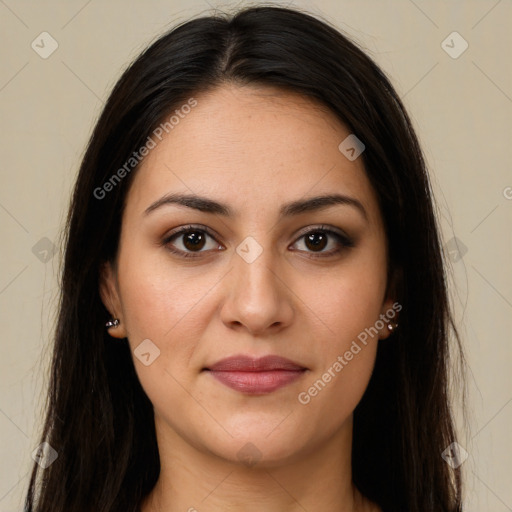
(322,242)
(188,240)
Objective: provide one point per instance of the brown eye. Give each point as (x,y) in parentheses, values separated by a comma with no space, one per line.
(315,242)
(190,241)
(194,240)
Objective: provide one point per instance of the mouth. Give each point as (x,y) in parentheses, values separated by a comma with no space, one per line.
(256,376)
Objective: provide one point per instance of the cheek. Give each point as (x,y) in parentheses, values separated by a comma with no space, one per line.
(345,353)
(157,295)
(165,305)
(348,302)
(349,299)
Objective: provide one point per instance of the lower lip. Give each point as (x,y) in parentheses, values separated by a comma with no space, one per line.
(257,382)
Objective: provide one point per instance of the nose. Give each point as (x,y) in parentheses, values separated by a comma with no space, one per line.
(257,299)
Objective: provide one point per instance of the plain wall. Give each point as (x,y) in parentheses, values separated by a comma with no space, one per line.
(461,107)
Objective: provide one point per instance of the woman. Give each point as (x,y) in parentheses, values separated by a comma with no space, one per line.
(254,313)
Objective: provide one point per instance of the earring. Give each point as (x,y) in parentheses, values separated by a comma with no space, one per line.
(113,322)
(392,326)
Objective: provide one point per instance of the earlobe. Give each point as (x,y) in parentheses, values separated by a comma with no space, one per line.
(389,316)
(110,297)
(391,307)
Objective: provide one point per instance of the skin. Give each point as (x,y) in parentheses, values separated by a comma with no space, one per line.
(253,149)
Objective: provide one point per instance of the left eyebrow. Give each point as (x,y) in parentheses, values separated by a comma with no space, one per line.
(320,202)
(297,207)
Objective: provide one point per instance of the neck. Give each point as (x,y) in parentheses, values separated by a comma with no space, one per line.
(195,480)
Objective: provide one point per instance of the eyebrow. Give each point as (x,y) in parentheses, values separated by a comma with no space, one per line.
(297,207)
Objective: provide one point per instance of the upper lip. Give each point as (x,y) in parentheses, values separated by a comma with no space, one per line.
(243,363)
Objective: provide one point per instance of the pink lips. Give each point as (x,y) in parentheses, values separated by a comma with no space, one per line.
(256,376)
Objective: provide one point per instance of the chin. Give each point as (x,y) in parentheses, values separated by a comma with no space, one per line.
(262,444)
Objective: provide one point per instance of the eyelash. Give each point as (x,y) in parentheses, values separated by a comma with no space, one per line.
(342,239)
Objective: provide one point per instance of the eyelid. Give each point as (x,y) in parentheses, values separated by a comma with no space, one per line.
(190,227)
(343,239)
(323,227)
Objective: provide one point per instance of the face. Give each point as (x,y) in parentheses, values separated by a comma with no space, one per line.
(283,254)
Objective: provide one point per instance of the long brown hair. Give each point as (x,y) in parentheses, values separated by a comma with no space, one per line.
(100,421)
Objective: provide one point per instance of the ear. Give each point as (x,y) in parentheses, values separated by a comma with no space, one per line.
(391,306)
(109,294)
(387,310)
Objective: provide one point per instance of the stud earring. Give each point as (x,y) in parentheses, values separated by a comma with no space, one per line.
(392,326)
(113,322)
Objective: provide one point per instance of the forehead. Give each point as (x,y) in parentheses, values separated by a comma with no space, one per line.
(252,146)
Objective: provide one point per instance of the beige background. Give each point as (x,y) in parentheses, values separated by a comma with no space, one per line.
(462,109)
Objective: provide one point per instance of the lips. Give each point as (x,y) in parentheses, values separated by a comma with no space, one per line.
(256,375)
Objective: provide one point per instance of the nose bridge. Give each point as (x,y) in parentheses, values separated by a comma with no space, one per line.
(254,273)
(258,278)
(257,297)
